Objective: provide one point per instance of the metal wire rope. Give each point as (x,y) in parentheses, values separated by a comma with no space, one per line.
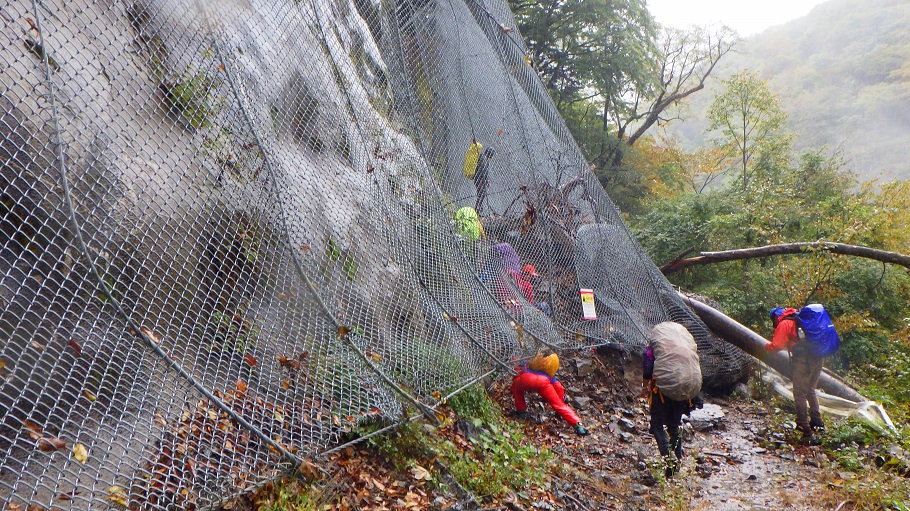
(93,270)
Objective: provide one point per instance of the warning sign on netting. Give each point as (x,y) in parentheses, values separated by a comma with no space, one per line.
(588,311)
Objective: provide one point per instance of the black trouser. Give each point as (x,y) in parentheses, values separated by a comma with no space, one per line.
(666,413)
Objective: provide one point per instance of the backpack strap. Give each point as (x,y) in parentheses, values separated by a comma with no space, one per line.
(655,390)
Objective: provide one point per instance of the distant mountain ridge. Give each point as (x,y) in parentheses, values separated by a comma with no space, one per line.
(842,73)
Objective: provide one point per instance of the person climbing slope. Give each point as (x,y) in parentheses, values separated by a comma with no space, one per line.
(482,177)
(525,285)
(671,380)
(805,370)
(540,377)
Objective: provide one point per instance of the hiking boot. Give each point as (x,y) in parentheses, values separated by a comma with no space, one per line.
(809,439)
(580,430)
(817,426)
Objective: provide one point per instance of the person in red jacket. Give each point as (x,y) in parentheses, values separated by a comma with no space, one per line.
(523,280)
(805,370)
(539,377)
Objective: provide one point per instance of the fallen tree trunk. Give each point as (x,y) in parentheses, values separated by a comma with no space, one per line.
(745,339)
(784,249)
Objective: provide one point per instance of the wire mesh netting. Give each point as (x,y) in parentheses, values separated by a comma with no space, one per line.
(232,231)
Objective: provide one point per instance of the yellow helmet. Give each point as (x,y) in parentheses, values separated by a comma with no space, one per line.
(545,364)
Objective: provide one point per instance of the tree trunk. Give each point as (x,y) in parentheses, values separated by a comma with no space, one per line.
(783,249)
(738,335)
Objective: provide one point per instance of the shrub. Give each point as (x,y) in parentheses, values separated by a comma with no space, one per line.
(499,461)
(475,403)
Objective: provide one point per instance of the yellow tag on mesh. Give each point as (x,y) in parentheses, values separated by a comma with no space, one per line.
(471,158)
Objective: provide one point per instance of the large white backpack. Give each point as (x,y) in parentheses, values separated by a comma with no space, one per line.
(677,372)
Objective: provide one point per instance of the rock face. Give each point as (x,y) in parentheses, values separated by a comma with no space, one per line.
(228,184)
(227,234)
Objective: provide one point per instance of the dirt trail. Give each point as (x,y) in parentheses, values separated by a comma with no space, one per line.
(734,459)
(745,475)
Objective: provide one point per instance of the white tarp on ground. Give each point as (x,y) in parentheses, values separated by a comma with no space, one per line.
(870,411)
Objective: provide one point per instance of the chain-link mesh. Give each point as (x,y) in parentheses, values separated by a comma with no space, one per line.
(228,236)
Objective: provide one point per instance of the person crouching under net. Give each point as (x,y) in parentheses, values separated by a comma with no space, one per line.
(540,377)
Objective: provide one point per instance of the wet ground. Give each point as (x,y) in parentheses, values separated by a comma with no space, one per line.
(736,456)
(739,456)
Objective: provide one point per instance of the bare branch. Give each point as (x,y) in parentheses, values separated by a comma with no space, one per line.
(689,58)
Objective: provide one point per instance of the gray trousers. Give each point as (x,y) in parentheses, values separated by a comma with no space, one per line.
(805,369)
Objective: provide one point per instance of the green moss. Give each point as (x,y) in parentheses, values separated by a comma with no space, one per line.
(234,331)
(192,99)
(337,255)
(290,494)
(415,361)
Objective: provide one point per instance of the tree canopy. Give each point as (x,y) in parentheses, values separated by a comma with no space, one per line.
(613,72)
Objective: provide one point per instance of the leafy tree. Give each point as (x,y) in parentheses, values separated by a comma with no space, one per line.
(751,125)
(811,198)
(670,171)
(685,59)
(575,46)
(612,73)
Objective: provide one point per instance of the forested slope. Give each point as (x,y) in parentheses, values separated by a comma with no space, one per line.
(842,73)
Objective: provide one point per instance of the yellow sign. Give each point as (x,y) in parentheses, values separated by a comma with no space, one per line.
(588,311)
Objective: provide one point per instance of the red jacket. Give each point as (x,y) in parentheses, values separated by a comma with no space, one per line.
(785,332)
(524,283)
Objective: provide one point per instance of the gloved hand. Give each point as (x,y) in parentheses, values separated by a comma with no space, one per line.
(580,430)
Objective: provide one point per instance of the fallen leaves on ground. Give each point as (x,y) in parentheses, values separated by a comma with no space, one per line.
(117,495)
(80,453)
(51,444)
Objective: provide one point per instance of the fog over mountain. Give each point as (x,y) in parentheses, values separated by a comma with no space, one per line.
(842,74)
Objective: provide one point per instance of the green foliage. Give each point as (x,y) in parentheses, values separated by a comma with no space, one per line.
(675,492)
(887,379)
(675,225)
(860,349)
(416,359)
(475,403)
(288,494)
(498,461)
(342,373)
(751,125)
(598,44)
(234,330)
(850,433)
(402,446)
(612,73)
(597,60)
(876,491)
(336,255)
(848,458)
(192,98)
(810,199)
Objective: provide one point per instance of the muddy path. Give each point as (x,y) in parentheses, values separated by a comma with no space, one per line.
(737,456)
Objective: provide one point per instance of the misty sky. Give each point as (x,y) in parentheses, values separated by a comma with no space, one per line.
(747,18)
